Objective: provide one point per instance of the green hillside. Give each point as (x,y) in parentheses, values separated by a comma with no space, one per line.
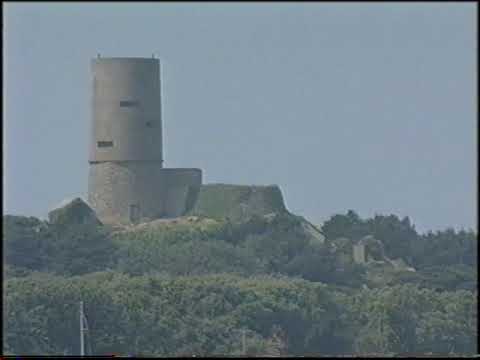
(196,284)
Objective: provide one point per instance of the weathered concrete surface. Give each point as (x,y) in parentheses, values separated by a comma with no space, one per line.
(126,109)
(181,190)
(127,182)
(238,202)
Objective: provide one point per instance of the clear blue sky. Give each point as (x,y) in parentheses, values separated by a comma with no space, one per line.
(362,106)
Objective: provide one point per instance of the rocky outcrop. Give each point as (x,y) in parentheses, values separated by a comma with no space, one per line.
(368,249)
(76,212)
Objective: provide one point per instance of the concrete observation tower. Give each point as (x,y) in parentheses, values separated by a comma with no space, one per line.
(127,181)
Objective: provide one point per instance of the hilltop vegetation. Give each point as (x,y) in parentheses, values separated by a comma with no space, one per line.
(192,285)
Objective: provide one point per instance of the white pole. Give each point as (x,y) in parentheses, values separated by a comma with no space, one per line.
(244,343)
(82,345)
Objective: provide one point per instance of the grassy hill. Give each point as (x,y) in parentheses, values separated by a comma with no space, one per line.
(191,285)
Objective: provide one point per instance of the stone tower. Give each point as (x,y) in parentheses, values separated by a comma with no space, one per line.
(127,181)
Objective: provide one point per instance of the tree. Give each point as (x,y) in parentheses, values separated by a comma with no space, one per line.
(79,249)
(350,226)
(26,242)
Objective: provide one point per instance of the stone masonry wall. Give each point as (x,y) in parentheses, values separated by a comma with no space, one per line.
(155,192)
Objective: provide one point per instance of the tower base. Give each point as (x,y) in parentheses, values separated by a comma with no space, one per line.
(135,191)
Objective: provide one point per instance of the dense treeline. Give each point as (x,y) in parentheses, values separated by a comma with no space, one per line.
(445,260)
(192,288)
(401,240)
(204,315)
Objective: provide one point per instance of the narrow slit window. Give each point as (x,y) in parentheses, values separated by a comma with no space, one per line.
(129,103)
(104,144)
